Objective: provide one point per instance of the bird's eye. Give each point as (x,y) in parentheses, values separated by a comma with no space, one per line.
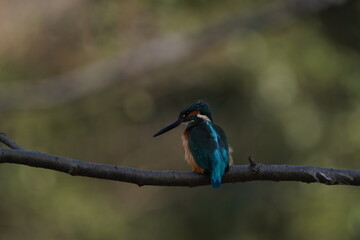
(183,116)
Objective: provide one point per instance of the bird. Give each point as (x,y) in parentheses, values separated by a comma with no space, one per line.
(205,143)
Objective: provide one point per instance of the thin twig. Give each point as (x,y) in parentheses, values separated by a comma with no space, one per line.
(8,142)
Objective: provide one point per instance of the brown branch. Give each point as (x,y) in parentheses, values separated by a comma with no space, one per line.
(8,142)
(237,173)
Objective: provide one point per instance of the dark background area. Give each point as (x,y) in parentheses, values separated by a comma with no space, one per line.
(285,89)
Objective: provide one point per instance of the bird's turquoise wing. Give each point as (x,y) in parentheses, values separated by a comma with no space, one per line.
(209,147)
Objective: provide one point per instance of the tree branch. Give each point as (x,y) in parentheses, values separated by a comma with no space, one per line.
(8,142)
(237,173)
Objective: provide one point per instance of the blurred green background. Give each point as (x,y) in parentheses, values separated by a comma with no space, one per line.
(285,88)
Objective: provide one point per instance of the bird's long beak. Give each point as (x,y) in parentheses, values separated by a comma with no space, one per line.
(170,126)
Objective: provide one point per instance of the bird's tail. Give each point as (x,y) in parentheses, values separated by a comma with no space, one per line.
(215,180)
(219,163)
(218,169)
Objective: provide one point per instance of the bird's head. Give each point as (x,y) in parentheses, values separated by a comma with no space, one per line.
(198,110)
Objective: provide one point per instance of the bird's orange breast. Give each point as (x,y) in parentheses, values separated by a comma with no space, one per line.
(189,158)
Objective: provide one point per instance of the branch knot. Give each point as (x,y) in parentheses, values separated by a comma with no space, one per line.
(254,166)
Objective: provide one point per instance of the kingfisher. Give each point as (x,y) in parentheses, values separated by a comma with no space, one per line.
(205,143)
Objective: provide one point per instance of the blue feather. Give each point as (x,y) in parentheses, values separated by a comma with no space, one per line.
(209,147)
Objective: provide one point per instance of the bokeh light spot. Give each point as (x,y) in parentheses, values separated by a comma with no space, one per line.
(302,126)
(277,86)
(251,53)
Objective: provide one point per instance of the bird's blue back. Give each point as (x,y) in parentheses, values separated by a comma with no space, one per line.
(209,147)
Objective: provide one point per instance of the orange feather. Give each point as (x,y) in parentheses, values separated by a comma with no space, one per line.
(188,155)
